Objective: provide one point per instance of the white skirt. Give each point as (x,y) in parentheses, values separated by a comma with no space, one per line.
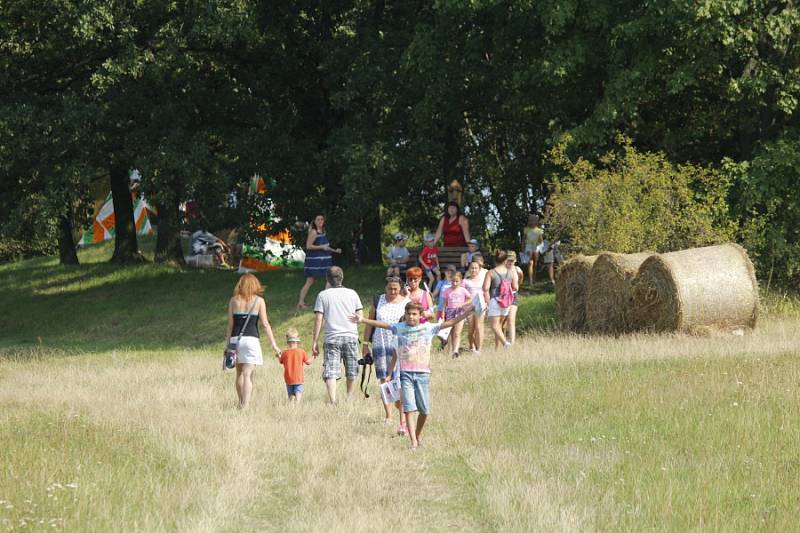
(496,310)
(249,351)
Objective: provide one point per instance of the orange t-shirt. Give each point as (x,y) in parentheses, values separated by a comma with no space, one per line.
(292,361)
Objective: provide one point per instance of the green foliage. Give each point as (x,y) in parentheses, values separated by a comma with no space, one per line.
(634,201)
(768,203)
(358,107)
(16,249)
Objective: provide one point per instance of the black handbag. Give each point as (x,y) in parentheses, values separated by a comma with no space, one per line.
(230,355)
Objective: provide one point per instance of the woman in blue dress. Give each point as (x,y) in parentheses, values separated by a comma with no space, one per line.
(318,257)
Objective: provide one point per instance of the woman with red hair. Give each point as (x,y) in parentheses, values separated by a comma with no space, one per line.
(418,295)
(245,310)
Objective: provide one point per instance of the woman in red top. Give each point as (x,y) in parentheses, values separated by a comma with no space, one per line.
(453,226)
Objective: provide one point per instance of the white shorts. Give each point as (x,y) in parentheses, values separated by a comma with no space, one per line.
(496,310)
(249,351)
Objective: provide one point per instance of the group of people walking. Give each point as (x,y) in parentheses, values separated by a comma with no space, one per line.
(400,328)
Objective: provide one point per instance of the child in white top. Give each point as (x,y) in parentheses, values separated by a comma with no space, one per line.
(474,284)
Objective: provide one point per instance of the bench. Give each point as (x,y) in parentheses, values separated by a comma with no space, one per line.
(447,256)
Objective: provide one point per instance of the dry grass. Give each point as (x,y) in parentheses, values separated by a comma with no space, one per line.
(519,440)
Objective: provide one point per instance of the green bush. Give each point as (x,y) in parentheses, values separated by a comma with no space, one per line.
(15,249)
(28,230)
(633,201)
(768,204)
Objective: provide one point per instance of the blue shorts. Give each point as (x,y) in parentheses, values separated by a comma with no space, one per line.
(294,389)
(415,388)
(381,358)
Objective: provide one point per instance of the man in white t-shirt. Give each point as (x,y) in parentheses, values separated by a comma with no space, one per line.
(333,306)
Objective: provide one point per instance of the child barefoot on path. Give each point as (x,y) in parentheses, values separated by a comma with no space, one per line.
(414,355)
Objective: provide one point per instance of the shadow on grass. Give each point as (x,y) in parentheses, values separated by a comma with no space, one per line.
(47,310)
(102,307)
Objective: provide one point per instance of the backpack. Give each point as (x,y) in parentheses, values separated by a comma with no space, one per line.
(505,294)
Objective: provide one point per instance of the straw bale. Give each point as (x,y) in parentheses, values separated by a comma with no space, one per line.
(608,299)
(571,282)
(689,290)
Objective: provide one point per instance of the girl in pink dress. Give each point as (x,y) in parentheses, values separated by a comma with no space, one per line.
(455,298)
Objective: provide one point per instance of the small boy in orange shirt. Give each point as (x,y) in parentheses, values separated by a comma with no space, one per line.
(292,360)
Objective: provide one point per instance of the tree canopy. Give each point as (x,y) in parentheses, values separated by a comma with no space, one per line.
(367,109)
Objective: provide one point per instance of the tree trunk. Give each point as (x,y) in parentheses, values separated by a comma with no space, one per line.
(66,244)
(371,226)
(168,240)
(126,247)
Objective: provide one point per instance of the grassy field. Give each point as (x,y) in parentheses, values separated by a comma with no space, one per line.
(121,420)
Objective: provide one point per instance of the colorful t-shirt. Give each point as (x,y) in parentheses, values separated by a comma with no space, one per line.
(429,257)
(414,345)
(456,297)
(292,361)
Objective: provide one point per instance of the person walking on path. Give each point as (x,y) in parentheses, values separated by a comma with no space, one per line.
(503,272)
(247,301)
(414,358)
(293,358)
(453,226)
(509,323)
(334,306)
(390,308)
(419,295)
(473,282)
(456,298)
(319,257)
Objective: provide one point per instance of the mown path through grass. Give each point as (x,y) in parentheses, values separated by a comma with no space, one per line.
(133,426)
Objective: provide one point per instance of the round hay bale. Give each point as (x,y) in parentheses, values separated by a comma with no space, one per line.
(711,287)
(571,283)
(608,300)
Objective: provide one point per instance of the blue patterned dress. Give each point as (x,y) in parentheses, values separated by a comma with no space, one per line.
(318,262)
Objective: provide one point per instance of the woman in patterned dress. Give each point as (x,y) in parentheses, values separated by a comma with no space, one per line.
(318,257)
(390,308)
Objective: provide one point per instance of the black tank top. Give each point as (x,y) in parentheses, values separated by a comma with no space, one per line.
(252,325)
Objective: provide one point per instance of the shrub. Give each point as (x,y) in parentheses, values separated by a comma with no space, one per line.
(16,249)
(768,204)
(634,201)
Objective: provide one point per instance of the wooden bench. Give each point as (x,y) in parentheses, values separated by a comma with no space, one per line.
(447,256)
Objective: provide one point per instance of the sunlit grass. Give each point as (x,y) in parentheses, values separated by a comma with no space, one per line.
(122,413)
